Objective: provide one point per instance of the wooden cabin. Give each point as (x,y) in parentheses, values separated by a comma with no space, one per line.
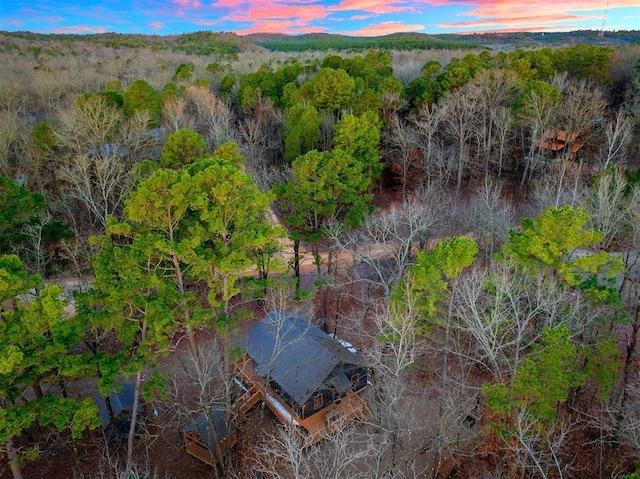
(306,377)
(558,141)
(210,437)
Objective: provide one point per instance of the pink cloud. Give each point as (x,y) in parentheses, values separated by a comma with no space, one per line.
(362,17)
(271,16)
(524,21)
(80,29)
(549,28)
(280,12)
(188,3)
(271,26)
(384,28)
(156,25)
(373,6)
(206,23)
(53,19)
(224,4)
(532,14)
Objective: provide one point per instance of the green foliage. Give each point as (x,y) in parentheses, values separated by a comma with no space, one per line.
(184,72)
(182,148)
(430,70)
(434,83)
(632,177)
(38,346)
(19,208)
(42,137)
(373,69)
(302,131)
(323,186)
(215,68)
(635,474)
(323,42)
(359,136)
(206,43)
(547,374)
(113,97)
(113,85)
(538,96)
(603,365)
(170,90)
(154,387)
(425,286)
(266,83)
(553,240)
(141,96)
(584,62)
(206,220)
(332,90)
(533,68)
(201,83)
(230,152)
(226,85)
(543,380)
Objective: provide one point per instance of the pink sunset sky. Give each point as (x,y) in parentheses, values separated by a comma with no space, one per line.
(349,17)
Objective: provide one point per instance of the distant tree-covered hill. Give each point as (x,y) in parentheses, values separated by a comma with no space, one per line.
(195,43)
(208,43)
(324,42)
(541,39)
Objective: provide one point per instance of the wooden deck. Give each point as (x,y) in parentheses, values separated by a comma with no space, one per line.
(335,416)
(195,446)
(312,429)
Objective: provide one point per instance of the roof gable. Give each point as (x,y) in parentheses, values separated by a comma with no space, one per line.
(212,427)
(297,355)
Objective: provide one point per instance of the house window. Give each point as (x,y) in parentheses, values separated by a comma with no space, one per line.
(355,380)
(317,401)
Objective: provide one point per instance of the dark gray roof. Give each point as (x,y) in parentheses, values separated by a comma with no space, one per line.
(211,427)
(121,401)
(297,355)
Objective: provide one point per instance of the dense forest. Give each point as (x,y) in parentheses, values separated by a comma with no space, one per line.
(464,213)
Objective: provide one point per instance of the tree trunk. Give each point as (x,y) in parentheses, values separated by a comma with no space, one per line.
(296,265)
(37,389)
(12,456)
(134,411)
(628,360)
(132,425)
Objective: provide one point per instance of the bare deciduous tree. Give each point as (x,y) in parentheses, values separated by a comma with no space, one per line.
(9,134)
(93,123)
(262,133)
(495,89)
(428,122)
(502,311)
(582,105)
(612,207)
(618,133)
(538,449)
(460,114)
(99,183)
(489,218)
(175,115)
(344,453)
(386,239)
(404,143)
(214,119)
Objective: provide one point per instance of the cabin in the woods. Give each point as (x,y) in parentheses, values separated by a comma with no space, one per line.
(210,437)
(116,423)
(557,142)
(307,378)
